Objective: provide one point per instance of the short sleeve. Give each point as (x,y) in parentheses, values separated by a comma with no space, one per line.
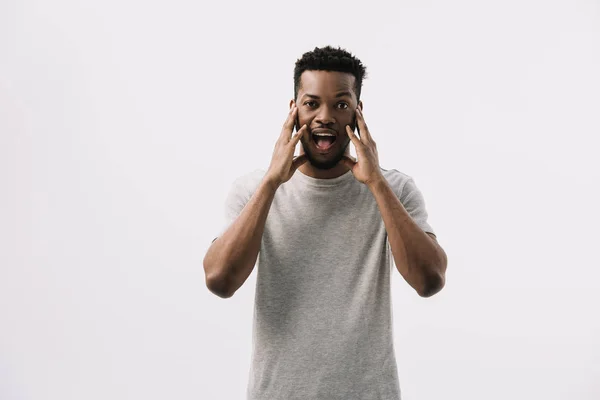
(413,201)
(240,192)
(235,201)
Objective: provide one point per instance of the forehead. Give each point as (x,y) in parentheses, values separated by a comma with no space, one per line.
(326,83)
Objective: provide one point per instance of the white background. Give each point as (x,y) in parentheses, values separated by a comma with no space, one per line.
(123,124)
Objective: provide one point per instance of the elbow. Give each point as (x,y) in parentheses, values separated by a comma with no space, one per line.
(432,284)
(218,288)
(434,279)
(215,283)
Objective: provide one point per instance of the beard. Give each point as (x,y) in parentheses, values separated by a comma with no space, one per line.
(320,161)
(328,161)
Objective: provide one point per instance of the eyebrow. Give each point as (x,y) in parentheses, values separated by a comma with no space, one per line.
(340,94)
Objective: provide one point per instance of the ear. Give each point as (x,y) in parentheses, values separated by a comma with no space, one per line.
(292,102)
(360,105)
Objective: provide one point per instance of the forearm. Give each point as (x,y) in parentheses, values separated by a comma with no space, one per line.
(231,258)
(418,258)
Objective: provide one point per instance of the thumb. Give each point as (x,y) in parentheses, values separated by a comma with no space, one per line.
(348,162)
(298,161)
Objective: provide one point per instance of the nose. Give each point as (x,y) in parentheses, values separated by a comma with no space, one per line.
(324,117)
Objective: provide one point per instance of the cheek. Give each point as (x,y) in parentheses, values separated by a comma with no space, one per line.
(303,118)
(302,114)
(346,120)
(299,122)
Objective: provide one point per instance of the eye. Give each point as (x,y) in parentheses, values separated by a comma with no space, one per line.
(345,105)
(310,103)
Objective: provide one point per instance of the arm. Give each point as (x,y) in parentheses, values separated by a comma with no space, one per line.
(417,255)
(231,257)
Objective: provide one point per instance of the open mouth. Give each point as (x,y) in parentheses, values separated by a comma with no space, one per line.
(323,141)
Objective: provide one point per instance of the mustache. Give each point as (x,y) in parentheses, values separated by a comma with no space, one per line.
(353,125)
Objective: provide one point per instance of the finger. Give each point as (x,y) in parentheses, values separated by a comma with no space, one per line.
(364,130)
(298,161)
(348,162)
(298,135)
(288,125)
(353,137)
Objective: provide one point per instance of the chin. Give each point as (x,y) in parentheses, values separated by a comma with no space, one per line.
(324,164)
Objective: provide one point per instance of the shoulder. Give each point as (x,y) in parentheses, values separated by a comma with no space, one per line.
(251,176)
(248,182)
(410,196)
(398,181)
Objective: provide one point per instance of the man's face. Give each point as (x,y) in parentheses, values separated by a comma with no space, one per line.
(326,104)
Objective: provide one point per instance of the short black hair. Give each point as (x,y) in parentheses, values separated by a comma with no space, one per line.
(330,59)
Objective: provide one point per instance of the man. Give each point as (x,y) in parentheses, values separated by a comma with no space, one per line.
(322,226)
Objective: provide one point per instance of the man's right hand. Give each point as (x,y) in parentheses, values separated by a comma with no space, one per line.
(283,164)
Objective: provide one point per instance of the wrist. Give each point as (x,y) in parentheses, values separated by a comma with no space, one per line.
(376,182)
(271,183)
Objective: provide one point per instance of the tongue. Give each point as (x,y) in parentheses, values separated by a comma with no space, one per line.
(324,142)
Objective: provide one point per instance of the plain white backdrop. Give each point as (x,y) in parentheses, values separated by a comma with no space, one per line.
(123,124)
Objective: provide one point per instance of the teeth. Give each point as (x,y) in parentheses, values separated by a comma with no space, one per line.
(323,134)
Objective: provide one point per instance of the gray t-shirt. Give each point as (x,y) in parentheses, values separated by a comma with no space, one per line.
(322,310)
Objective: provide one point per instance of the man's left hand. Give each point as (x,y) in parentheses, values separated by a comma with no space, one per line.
(366,169)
